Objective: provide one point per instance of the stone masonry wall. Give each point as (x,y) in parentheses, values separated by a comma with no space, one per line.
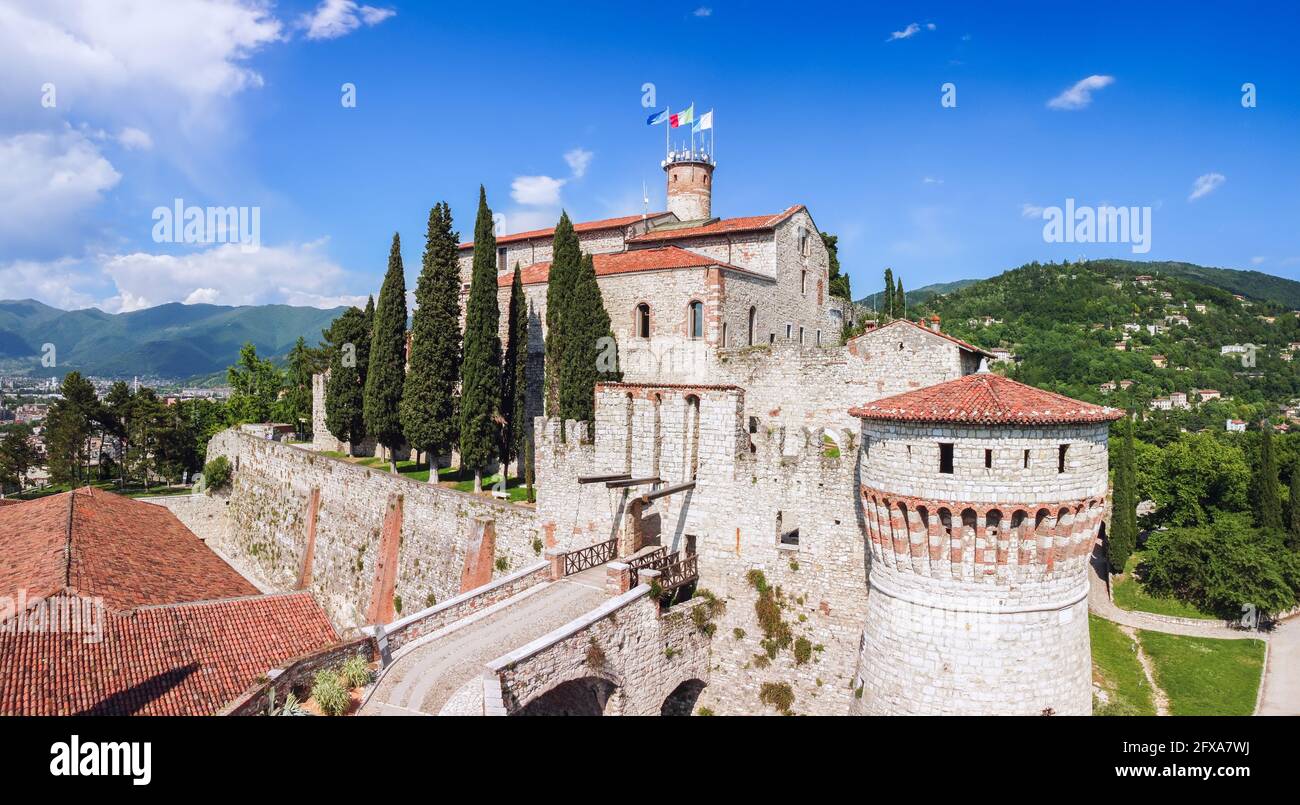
(438,535)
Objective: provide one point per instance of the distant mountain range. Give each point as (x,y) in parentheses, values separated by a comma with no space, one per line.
(172,340)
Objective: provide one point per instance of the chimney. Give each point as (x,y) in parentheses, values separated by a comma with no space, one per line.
(934,323)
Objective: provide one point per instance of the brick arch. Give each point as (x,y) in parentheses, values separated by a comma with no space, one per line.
(581,693)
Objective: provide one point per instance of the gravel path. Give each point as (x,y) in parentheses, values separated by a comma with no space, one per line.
(423,681)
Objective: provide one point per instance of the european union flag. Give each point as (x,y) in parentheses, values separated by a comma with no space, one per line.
(657,118)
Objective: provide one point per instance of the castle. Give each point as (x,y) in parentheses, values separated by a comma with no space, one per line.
(894,529)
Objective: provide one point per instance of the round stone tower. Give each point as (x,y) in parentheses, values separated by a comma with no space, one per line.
(981,498)
(690,186)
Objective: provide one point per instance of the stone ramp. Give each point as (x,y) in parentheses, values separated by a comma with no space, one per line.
(425,679)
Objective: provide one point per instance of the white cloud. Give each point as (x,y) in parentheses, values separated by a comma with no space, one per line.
(910,31)
(931,180)
(1206,184)
(47,180)
(1080,95)
(1031,211)
(1258,260)
(703,11)
(578,159)
(334,18)
(517,220)
(61,283)
(203,296)
(536,191)
(134,139)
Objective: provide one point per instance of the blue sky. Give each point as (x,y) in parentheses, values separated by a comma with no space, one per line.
(237,103)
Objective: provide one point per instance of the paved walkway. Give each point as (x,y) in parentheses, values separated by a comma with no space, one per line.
(1281,682)
(425,680)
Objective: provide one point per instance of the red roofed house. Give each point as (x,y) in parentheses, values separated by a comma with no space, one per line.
(110,606)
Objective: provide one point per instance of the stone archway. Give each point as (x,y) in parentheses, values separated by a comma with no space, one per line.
(585,696)
(681,702)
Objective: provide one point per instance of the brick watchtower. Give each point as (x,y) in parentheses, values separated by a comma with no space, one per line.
(690,185)
(981,497)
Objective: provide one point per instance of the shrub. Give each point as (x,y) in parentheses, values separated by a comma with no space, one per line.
(778,695)
(355,672)
(328,691)
(757,580)
(503,564)
(802,651)
(216,474)
(704,711)
(537,546)
(739,633)
(595,655)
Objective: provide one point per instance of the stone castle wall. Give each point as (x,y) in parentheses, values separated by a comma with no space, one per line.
(750,487)
(349,531)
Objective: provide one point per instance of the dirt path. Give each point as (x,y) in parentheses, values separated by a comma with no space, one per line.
(1158,697)
(424,680)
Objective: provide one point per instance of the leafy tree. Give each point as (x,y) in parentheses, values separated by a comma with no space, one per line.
(294,406)
(1293,532)
(588,343)
(1263,487)
(387,373)
(566,257)
(514,376)
(1195,477)
(839,283)
(117,415)
(68,428)
(17,456)
(1122,539)
(480,394)
(255,385)
(429,401)
(348,345)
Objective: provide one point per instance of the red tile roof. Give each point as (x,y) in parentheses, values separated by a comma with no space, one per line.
(586,226)
(98,544)
(183,659)
(664,257)
(9,502)
(985,399)
(723,226)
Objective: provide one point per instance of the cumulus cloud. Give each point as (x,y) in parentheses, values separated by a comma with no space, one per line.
(62,283)
(1080,95)
(47,180)
(134,139)
(334,18)
(910,31)
(537,191)
(703,11)
(578,159)
(1206,184)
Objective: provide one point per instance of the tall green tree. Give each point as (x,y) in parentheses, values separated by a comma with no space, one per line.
(566,256)
(1293,530)
(1122,539)
(294,405)
(17,456)
(887,306)
(68,428)
(387,373)
(900,300)
(255,385)
(1264,495)
(117,410)
(429,417)
(480,392)
(588,345)
(514,377)
(348,346)
(839,283)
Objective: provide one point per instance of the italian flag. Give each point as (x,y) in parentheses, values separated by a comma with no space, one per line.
(682,118)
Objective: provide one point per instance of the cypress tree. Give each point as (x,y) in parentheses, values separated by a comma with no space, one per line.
(428,410)
(387,372)
(1293,533)
(565,258)
(514,380)
(1263,483)
(900,300)
(480,393)
(1122,540)
(590,352)
(887,306)
(347,339)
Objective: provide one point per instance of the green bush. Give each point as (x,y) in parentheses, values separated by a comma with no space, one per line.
(216,474)
(778,695)
(355,672)
(802,651)
(330,694)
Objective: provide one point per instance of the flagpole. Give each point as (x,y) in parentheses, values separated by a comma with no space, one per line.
(668,124)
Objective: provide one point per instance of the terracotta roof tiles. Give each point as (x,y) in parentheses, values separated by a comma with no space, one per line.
(985,399)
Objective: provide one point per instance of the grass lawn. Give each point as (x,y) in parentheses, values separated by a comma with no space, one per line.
(1115,668)
(1129,595)
(450,476)
(1203,676)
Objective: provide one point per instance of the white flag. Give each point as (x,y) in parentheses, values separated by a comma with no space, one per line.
(705,121)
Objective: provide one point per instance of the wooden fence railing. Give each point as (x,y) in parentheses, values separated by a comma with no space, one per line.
(590,556)
(679,573)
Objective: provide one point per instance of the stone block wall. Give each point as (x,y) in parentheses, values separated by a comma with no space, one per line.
(427,529)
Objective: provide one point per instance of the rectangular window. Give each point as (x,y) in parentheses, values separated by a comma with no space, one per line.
(803,282)
(1060,458)
(945,457)
(803,241)
(1026,459)
(988,459)
(724,334)
(789,331)
(501,258)
(800,336)
(819,338)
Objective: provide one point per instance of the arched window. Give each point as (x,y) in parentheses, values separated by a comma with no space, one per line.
(643,320)
(697,319)
(753,324)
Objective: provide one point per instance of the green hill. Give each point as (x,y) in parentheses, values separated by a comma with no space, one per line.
(1062,321)
(171,340)
(922,294)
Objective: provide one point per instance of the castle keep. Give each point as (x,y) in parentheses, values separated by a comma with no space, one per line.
(893,529)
